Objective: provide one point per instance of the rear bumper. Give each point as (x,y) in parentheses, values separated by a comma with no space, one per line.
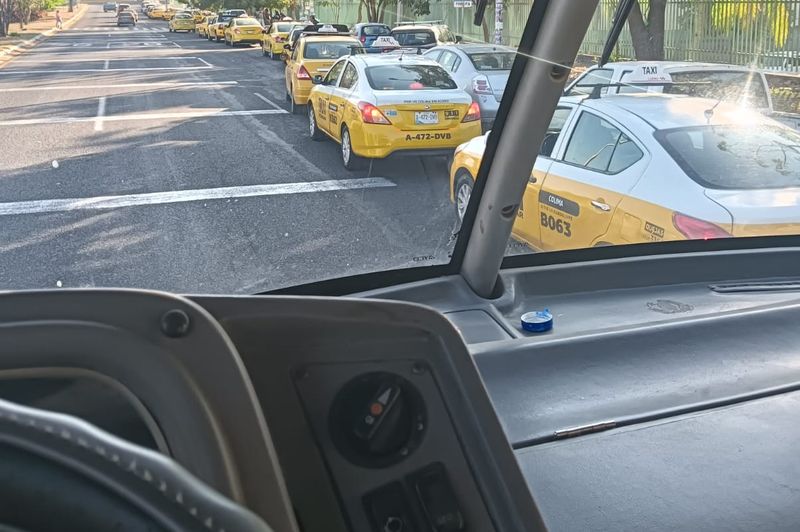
(277,48)
(301,90)
(380,141)
(254,39)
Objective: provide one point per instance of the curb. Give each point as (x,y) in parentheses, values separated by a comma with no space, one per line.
(11,51)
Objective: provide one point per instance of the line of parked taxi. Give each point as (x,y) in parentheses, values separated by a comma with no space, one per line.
(633,160)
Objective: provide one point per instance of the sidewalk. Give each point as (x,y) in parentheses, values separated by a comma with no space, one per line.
(19,39)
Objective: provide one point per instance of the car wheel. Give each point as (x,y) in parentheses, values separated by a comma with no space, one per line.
(462,191)
(350,160)
(313,130)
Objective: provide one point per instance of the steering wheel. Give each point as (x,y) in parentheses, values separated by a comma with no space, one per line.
(60,473)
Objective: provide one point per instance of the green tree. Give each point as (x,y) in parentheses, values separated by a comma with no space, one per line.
(753,18)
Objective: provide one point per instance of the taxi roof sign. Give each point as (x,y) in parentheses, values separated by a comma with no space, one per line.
(384,41)
(327,28)
(648,74)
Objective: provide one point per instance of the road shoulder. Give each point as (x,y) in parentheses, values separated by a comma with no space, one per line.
(11,47)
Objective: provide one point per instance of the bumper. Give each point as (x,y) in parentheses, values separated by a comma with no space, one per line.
(277,48)
(249,39)
(183,27)
(380,141)
(301,90)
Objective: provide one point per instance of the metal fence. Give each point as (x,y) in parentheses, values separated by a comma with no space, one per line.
(761,33)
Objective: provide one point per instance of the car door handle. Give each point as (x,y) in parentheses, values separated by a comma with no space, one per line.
(602,206)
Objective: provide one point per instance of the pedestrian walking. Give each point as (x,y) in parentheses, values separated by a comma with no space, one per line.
(58,19)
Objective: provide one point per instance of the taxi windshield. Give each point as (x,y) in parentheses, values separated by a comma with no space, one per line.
(409,77)
(144,152)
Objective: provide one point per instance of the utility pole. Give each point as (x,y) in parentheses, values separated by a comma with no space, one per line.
(71,2)
(498,21)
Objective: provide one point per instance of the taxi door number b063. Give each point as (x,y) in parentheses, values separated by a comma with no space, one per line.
(426,117)
(556,224)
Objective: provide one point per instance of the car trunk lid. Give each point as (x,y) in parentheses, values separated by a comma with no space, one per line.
(760,211)
(412,110)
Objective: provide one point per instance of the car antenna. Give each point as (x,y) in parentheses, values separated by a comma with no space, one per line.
(709,113)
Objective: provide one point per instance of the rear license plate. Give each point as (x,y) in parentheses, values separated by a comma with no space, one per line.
(426,117)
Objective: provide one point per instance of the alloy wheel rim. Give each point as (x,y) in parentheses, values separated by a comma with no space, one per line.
(462,197)
(346,146)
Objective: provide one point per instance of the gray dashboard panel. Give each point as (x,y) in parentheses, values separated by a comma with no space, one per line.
(735,468)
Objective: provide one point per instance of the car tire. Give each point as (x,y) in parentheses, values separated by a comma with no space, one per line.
(462,191)
(350,160)
(314,131)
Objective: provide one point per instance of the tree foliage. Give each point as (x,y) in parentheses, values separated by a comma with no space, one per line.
(376,10)
(751,17)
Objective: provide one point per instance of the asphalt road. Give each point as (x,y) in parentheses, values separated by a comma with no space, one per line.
(136,157)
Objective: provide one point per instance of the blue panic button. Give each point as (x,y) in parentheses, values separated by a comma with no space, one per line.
(537,321)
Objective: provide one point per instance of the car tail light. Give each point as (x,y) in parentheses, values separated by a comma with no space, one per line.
(473,114)
(236,30)
(695,229)
(481,85)
(363,38)
(278,39)
(303,73)
(371,114)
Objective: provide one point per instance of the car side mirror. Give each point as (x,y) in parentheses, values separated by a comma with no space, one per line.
(459,38)
(317,80)
(287,46)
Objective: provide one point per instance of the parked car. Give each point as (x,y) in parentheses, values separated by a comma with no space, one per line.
(480,69)
(110,6)
(367,32)
(424,34)
(126,18)
(732,83)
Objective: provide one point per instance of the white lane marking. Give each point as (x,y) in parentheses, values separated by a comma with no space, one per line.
(105,64)
(203,60)
(101,112)
(155,84)
(270,102)
(205,113)
(132,69)
(167,58)
(182,196)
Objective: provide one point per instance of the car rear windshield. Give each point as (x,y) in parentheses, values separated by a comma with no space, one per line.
(183,16)
(327,50)
(247,22)
(492,60)
(414,37)
(408,77)
(376,30)
(284,28)
(736,157)
(224,18)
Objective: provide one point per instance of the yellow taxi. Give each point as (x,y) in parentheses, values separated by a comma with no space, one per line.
(216,31)
(156,13)
(275,37)
(313,54)
(635,168)
(181,22)
(242,30)
(199,15)
(377,105)
(202,27)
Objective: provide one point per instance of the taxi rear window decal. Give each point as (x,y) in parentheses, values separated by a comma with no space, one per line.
(654,230)
(559,203)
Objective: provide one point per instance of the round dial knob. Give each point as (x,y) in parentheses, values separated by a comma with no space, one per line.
(377,419)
